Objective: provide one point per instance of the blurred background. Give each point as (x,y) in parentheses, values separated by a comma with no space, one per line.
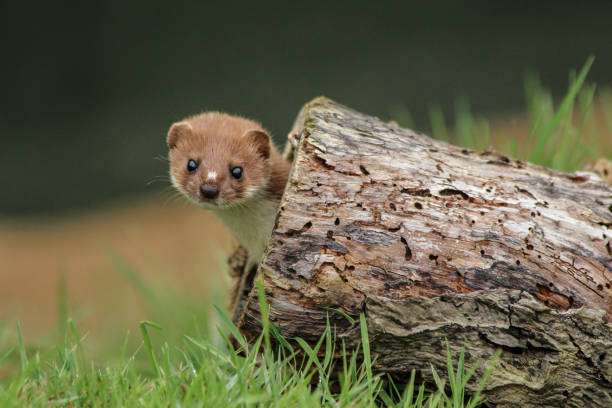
(88,225)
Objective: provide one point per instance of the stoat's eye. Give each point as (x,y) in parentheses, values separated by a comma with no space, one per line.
(237,172)
(192,165)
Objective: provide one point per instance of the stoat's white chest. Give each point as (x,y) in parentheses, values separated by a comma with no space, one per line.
(251,224)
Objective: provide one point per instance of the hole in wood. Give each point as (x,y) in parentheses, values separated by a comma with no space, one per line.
(433,257)
(452,191)
(337,221)
(418,206)
(305,228)
(330,234)
(417,192)
(323,163)
(578,179)
(392,206)
(408,253)
(530,247)
(364,170)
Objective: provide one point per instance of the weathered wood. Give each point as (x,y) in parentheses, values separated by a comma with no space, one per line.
(431,242)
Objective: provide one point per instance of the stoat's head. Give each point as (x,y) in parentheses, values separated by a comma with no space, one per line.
(218,160)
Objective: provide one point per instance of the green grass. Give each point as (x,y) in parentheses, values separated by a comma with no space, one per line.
(563,137)
(208,369)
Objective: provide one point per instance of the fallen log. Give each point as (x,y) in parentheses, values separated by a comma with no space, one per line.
(432,242)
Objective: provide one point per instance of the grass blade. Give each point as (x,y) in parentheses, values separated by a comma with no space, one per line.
(263,308)
(367,359)
(311,353)
(82,363)
(149,345)
(543,138)
(229,325)
(62,306)
(5,355)
(409,390)
(339,312)
(438,124)
(477,399)
(22,351)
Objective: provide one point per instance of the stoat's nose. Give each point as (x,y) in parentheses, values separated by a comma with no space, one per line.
(209,191)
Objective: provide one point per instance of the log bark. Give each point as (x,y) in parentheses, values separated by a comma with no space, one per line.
(432,242)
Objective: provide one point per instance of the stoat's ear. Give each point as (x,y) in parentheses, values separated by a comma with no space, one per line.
(260,140)
(177,131)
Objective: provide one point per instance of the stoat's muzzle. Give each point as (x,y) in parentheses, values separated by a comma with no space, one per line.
(209,191)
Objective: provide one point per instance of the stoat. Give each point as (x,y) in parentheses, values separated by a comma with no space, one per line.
(229,166)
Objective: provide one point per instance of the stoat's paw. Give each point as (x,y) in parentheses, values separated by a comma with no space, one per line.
(237,262)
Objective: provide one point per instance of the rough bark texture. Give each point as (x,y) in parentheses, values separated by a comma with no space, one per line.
(432,242)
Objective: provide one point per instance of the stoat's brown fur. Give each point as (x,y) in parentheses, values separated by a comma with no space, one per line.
(219,142)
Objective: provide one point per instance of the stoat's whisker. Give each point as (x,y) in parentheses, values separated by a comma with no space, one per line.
(159,178)
(161,158)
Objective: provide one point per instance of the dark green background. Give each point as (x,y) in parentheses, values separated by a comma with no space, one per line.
(89,89)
